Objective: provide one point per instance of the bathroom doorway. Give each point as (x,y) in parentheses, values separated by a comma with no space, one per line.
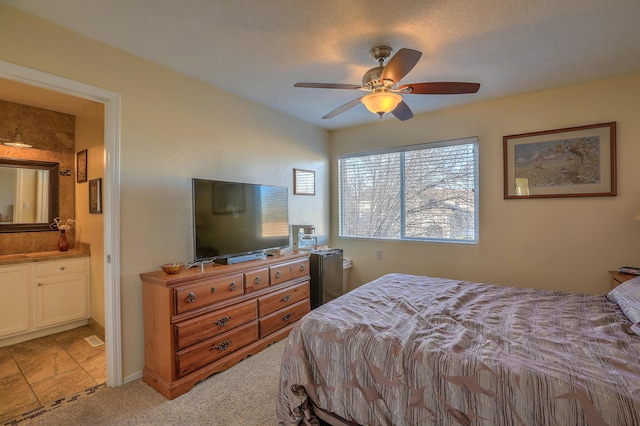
(111,196)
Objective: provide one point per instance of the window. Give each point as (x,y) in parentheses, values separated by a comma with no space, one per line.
(273,212)
(422,192)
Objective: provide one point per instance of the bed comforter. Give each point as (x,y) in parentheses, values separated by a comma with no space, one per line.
(410,350)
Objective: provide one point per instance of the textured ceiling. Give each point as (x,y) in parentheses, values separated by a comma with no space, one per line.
(259,49)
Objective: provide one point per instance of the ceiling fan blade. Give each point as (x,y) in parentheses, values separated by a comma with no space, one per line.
(400,64)
(441,88)
(327,86)
(402,111)
(343,108)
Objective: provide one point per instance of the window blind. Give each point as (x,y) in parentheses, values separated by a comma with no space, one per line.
(420,192)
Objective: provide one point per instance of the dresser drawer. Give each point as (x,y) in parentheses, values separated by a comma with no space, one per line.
(206,326)
(195,357)
(206,292)
(288,271)
(282,298)
(283,317)
(256,279)
(61,267)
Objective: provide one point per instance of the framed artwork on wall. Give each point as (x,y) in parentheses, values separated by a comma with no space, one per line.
(81,166)
(304,182)
(571,162)
(95,196)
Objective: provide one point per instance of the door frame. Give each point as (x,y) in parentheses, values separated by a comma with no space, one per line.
(111,211)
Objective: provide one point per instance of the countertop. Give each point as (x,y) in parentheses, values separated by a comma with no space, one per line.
(9,259)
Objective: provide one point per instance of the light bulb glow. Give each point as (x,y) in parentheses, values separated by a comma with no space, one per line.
(18,144)
(381,102)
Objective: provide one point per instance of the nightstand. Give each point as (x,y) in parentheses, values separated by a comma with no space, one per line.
(617,278)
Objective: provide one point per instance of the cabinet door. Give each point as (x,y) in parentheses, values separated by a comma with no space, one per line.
(14,300)
(61,299)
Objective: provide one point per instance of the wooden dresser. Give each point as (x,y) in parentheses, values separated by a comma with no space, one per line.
(200,322)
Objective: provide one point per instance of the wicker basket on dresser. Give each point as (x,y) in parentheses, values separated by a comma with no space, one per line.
(203,321)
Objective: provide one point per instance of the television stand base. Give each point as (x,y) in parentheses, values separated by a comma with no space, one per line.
(242,258)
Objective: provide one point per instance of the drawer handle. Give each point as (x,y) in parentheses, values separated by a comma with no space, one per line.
(278,274)
(213,290)
(285,298)
(40,284)
(290,269)
(233,286)
(287,317)
(223,321)
(191,297)
(301,268)
(62,268)
(223,346)
(258,280)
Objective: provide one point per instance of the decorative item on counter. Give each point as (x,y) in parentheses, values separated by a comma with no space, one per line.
(63,227)
(172,268)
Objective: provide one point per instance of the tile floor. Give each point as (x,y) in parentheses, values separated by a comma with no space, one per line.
(48,368)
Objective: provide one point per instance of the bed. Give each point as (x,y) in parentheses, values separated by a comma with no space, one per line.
(412,350)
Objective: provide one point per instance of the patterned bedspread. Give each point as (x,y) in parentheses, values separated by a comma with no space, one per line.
(410,350)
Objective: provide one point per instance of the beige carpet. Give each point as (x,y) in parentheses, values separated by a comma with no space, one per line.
(243,395)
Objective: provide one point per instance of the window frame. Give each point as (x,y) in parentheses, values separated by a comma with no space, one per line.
(473,141)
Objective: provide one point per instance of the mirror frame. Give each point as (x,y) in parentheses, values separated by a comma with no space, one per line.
(53,194)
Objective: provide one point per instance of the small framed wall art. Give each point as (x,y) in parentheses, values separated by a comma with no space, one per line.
(95,196)
(304,182)
(81,166)
(571,162)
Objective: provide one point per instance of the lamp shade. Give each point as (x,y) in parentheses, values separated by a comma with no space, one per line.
(381,102)
(16,142)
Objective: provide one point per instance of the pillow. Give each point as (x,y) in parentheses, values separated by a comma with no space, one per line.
(627,296)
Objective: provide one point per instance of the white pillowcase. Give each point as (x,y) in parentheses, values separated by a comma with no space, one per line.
(627,296)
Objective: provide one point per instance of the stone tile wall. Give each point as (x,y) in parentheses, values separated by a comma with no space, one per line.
(52,136)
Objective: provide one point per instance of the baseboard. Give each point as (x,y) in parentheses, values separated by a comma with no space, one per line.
(41,333)
(134,376)
(96,327)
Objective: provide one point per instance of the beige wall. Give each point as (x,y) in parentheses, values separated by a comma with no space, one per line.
(566,244)
(90,227)
(172,129)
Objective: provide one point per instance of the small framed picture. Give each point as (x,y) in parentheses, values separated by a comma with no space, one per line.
(81,167)
(304,182)
(95,196)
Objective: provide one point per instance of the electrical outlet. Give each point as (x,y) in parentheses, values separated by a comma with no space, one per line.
(379,255)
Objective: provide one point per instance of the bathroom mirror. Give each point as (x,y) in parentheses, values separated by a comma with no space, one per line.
(28,195)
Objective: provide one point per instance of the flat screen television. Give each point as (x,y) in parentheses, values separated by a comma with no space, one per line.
(233,220)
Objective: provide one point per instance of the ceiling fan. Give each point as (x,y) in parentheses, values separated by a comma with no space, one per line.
(383,83)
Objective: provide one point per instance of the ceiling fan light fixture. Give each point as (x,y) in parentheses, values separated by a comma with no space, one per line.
(16,142)
(381,102)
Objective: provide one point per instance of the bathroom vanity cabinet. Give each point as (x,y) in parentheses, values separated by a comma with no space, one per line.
(43,297)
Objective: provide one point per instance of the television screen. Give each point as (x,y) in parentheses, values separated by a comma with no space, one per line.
(232,218)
